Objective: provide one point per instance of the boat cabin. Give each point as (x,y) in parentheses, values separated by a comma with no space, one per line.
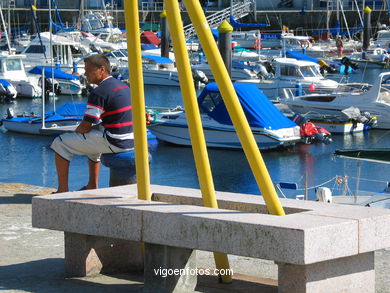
(289,68)
(40,53)
(12,68)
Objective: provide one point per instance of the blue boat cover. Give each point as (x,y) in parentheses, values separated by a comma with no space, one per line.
(300,56)
(145,47)
(234,23)
(70,109)
(158,59)
(258,109)
(337,30)
(58,73)
(4,83)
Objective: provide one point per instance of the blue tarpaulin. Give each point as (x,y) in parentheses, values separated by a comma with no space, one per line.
(158,59)
(4,82)
(145,47)
(70,109)
(337,30)
(234,23)
(58,73)
(300,56)
(258,109)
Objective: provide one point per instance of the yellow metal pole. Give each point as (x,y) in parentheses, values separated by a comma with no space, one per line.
(193,118)
(234,108)
(137,99)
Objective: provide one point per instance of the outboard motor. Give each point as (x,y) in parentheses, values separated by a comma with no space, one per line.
(348,63)
(311,133)
(49,86)
(7,92)
(326,68)
(261,71)
(353,114)
(199,78)
(324,194)
(10,113)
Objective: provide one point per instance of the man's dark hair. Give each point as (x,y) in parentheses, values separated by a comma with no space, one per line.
(99,60)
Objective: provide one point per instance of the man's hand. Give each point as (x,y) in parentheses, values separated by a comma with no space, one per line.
(84,127)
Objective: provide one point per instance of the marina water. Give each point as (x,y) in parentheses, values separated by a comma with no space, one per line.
(29,159)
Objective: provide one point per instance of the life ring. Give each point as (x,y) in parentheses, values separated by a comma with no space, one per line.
(258,44)
(305,44)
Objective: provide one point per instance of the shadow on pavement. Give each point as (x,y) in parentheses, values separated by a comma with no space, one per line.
(47,275)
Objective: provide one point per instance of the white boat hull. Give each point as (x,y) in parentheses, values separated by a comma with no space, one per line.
(340,127)
(36,128)
(381,111)
(221,136)
(214,138)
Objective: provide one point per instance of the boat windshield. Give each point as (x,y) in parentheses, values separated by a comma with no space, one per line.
(210,101)
(14,64)
(289,71)
(310,71)
(118,54)
(124,52)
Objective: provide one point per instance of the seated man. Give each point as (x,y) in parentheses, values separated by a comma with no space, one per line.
(105,128)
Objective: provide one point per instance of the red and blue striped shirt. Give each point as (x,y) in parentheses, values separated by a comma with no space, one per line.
(110,105)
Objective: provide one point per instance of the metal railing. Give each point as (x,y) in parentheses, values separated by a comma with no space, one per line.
(152,6)
(238,10)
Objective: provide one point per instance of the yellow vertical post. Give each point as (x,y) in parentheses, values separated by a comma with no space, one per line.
(193,118)
(234,108)
(137,99)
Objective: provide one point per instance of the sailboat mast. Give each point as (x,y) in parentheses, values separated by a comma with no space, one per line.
(5,30)
(81,14)
(51,54)
(338,17)
(9,18)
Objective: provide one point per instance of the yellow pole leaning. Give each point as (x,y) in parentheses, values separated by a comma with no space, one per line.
(137,99)
(234,108)
(193,117)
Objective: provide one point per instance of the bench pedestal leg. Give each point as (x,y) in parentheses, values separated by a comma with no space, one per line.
(354,274)
(169,269)
(87,255)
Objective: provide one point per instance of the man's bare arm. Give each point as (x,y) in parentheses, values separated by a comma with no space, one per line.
(84,127)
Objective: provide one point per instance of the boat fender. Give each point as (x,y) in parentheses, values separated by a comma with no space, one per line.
(75,67)
(324,194)
(305,44)
(258,44)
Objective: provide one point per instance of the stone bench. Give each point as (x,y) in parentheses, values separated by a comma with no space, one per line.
(318,247)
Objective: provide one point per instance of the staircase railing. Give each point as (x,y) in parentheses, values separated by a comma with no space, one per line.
(239,9)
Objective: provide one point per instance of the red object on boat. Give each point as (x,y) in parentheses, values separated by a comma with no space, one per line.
(312,87)
(150,38)
(309,129)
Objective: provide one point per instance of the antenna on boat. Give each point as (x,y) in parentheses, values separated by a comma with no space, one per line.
(43,97)
(51,54)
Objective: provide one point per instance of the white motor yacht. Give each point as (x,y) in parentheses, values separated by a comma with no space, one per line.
(12,70)
(375,100)
(285,73)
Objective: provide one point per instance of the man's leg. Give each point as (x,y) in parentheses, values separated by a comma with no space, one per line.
(94,168)
(62,166)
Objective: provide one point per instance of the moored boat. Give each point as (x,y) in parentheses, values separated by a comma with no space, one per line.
(269,126)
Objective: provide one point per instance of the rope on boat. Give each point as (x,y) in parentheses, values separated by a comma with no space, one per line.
(319,185)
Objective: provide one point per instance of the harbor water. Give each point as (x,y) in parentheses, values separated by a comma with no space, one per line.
(29,159)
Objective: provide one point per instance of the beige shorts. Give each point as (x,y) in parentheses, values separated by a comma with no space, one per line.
(91,144)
